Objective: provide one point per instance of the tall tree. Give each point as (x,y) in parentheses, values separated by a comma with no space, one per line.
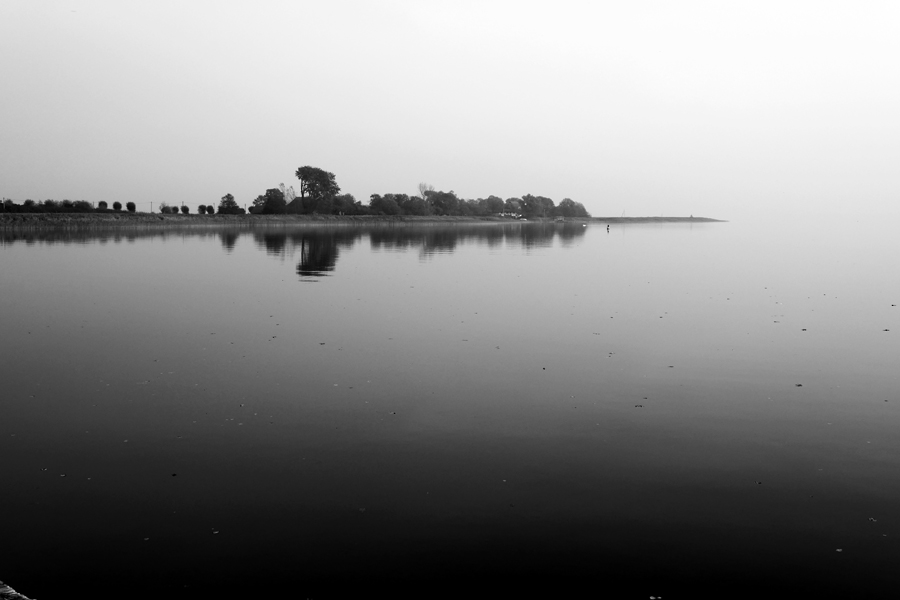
(316,185)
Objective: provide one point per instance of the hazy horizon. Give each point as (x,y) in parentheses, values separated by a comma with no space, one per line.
(649,108)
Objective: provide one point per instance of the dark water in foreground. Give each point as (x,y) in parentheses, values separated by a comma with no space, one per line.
(670,410)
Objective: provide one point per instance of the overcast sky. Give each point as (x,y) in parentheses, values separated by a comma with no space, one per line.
(721,109)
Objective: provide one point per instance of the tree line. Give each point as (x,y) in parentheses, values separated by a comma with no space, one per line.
(63,206)
(320,194)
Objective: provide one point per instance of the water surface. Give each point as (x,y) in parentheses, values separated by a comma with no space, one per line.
(675,409)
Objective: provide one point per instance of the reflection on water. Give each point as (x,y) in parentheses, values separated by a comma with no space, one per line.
(319,246)
(664,409)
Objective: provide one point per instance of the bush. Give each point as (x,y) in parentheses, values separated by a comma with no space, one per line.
(131,207)
(185,210)
(210,210)
(117,205)
(201,210)
(102,205)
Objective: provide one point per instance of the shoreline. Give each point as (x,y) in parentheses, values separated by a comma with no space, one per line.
(126,220)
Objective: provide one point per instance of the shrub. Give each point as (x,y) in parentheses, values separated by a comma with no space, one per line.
(185,210)
(117,205)
(131,207)
(201,210)
(210,210)
(102,205)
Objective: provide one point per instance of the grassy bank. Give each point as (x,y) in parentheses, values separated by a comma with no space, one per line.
(124,219)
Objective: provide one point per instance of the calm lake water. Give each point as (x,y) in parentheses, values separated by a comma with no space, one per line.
(679,410)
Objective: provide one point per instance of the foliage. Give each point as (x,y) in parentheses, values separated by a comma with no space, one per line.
(227,206)
(131,207)
(346,204)
(443,203)
(201,210)
(102,205)
(317,190)
(569,208)
(537,206)
(117,205)
(383,205)
(185,209)
(273,202)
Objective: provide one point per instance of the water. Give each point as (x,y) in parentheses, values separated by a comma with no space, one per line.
(680,410)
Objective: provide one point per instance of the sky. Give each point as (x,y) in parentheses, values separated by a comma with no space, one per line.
(717,109)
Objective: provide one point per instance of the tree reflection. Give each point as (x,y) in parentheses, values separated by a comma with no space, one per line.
(318,256)
(319,247)
(229,239)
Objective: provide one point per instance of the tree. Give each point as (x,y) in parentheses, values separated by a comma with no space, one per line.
(537,206)
(131,207)
(273,202)
(201,210)
(424,188)
(385,205)
(288,193)
(210,210)
(185,209)
(315,185)
(117,205)
(256,207)
(443,203)
(494,205)
(227,206)
(345,204)
(102,205)
(569,208)
(415,205)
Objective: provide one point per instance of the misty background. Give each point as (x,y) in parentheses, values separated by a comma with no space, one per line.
(726,110)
